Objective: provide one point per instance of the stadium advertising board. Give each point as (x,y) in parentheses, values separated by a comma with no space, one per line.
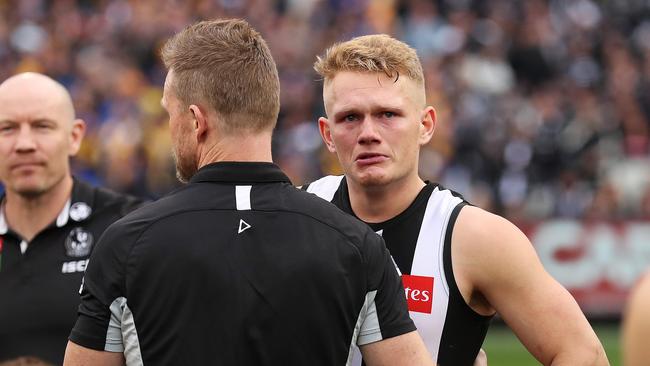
(597,262)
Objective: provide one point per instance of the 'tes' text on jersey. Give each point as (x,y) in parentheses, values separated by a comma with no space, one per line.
(419,293)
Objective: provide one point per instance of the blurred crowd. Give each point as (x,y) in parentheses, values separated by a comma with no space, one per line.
(543,106)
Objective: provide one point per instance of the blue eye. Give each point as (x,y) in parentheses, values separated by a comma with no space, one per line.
(389,114)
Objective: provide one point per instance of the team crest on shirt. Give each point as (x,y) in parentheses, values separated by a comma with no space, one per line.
(80,211)
(78,243)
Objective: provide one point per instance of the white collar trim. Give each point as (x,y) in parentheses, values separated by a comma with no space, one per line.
(3,222)
(62,219)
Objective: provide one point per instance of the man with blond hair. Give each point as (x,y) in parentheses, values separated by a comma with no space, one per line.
(460,264)
(49,220)
(237,267)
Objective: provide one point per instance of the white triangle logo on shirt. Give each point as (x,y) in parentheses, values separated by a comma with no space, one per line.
(243,226)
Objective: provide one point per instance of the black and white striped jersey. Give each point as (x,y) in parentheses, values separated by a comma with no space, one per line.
(239,267)
(419,239)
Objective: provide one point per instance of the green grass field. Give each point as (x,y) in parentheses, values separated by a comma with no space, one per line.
(504,349)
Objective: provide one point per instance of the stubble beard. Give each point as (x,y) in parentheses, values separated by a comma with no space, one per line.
(186,167)
(34,191)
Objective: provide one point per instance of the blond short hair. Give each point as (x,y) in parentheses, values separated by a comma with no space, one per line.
(226,64)
(372,53)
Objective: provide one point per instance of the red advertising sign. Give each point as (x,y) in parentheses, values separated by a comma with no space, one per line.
(597,262)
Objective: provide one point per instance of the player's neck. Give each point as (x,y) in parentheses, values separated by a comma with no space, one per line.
(29,215)
(381,203)
(256,147)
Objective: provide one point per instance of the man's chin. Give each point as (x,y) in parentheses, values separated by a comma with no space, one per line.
(29,190)
(372,180)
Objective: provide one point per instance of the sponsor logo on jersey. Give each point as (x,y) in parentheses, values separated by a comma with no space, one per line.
(74,266)
(80,211)
(419,293)
(78,243)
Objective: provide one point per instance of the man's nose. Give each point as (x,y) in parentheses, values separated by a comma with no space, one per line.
(369,133)
(25,141)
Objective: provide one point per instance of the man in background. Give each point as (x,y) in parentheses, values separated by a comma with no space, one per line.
(49,221)
(459,264)
(237,267)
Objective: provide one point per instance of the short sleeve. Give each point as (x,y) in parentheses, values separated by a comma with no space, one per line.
(385,313)
(103,293)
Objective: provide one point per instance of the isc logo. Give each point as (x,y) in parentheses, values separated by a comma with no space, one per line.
(74,266)
(419,293)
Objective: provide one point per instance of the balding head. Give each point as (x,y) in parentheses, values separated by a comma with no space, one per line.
(37,92)
(38,134)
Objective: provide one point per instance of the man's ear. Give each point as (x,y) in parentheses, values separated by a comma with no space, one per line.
(76,136)
(325,133)
(200,122)
(427,125)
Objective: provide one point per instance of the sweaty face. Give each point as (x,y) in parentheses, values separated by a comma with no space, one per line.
(374,125)
(180,127)
(37,137)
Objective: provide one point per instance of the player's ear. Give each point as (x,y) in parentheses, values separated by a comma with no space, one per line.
(427,125)
(325,133)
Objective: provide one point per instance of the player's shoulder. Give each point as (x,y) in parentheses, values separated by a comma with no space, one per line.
(477,220)
(440,192)
(480,226)
(489,241)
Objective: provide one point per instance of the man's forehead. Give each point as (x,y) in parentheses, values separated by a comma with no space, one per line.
(345,86)
(34,106)
(349,84)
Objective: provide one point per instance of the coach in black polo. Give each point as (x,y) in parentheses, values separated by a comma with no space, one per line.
(40,279)
(238,267)
(49,221)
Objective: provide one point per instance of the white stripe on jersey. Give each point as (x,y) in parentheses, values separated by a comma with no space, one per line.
(243,197)
(325,187)
(428,261)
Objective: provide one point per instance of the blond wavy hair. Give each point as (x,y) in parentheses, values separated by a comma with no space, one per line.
(373,53)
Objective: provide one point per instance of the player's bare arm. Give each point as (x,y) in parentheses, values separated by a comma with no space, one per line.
(636,326)
(497,268)
(76,355)
(406,349)
(481,358)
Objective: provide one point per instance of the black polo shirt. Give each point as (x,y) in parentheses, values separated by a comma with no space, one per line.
(40,280)
(239,267)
